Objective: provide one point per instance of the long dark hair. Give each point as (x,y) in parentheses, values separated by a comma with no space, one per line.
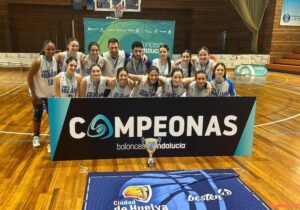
(168,58)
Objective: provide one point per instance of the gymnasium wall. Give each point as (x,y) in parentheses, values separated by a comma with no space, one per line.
(29,22)
(24,24)
(285,38)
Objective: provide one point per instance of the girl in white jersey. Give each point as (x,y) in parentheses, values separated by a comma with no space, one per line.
(174,86)
(92,58)
(221,86)
(203,62)
(72,50)
(185,64)
(67,83)
(198,88)
(164,63)
(93,86)
(149,85)
(40,80)
(123,85)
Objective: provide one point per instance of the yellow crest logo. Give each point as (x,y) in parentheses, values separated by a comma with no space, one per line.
(142,193)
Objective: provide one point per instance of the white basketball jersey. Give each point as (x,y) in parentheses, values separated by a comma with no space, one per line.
(68,87)
(93,90)
(43,80)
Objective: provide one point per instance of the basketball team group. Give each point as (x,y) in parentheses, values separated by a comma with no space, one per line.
(117,73)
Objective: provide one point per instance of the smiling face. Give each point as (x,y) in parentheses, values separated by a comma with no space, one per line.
(163,53)
(96,73)
(177,78)
(113,48)
(153,76)
(94,51)
(71,67)
(123,78)
(185,57)
(203,56)
(73,47)
(219,72)
(137,53)
(49,50)
(201,80)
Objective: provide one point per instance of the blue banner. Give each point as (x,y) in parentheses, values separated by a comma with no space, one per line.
(170,190)
(290,15)
(152,33)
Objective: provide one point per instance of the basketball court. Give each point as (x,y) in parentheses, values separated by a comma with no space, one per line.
(30,180)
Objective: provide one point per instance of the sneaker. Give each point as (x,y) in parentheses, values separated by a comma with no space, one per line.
(49,149)
(36,141)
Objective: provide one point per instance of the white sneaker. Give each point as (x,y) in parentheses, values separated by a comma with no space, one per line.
(36,141)
(49,149)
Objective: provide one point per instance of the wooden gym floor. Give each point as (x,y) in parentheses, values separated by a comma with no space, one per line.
(29,180)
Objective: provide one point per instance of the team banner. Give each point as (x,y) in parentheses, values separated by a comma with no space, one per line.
(91,128)
(152,33)
(170,190)
(290,14)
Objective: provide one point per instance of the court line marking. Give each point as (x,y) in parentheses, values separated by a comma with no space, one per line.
(277,121)
(278,132)
(282,120)
(7,92)
(297,93)
(11,83)
(20,141)
(22,133)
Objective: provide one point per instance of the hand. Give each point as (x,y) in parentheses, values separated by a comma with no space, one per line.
(83,60)
(177,62)
(145,58)
(209,86)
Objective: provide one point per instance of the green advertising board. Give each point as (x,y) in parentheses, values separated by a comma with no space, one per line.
(152,33)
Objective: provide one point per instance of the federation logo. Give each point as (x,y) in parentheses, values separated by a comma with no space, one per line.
(286,18)
(142,193)
(100,126)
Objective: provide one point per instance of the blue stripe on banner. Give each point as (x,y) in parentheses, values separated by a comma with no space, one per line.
(246,141)
(215,188)
(58,108)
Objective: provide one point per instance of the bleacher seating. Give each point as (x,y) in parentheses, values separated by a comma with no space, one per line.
(289,63)
(17,60)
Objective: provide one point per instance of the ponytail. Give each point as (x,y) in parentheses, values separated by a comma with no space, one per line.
(169,65)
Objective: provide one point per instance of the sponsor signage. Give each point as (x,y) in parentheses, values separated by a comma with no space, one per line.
(90,128)
(290,15)
(170,190)
(152,33)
